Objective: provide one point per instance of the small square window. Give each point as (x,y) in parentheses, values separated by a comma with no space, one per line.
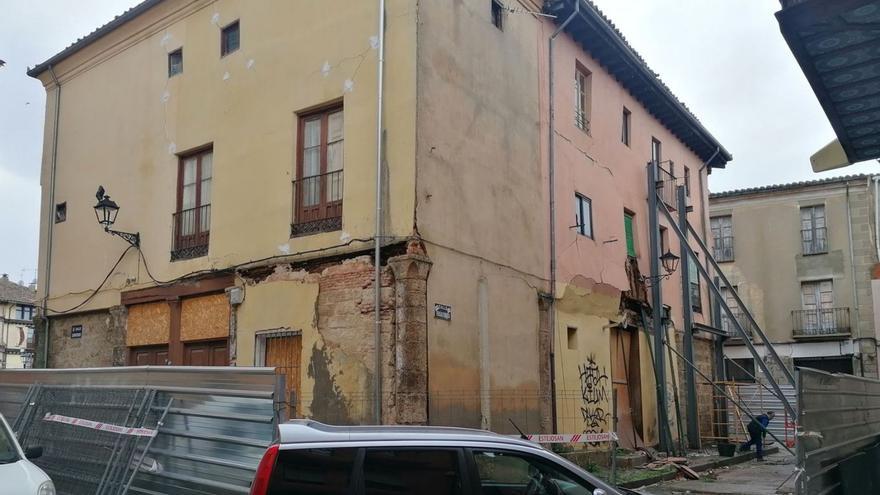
(230,39)
(175,62)
(498,14)
(572,338)
(61,212)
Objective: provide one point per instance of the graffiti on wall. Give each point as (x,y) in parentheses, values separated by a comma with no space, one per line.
(594,394)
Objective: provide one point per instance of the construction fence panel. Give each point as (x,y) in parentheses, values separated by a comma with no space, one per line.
(839,419)
(218,424)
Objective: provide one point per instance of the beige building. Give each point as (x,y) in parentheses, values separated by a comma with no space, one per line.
(16,323)
(240,142)
(802,257)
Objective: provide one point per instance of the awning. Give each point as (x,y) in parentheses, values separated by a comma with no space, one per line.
(837,44)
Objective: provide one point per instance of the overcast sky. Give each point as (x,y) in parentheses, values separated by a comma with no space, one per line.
(724,58)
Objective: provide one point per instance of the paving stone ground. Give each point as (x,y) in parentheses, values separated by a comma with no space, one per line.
(750,478)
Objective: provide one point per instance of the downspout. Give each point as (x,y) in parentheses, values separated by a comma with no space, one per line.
(377,238)
(551,146)
(50,213)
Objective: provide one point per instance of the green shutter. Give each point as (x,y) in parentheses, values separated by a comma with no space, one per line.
(630,240)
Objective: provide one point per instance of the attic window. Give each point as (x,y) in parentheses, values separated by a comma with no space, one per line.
(498,14)
(175,62)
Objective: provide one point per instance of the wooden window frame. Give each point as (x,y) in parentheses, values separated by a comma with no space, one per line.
(192,239)
(632,219)
(579,201)
(329,223)
(171,55)
(224,36)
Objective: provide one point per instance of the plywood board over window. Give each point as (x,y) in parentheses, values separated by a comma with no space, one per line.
(148,324)
(205,317)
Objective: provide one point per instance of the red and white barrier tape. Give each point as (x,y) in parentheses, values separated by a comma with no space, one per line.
(95,425)
(574,438)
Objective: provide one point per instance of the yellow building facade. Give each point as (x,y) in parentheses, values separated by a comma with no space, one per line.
(240,141)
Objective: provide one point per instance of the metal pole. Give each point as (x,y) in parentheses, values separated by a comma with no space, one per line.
(377,240)
(717,293)
(657,308)
(614,442)
(690,383)
(788,375)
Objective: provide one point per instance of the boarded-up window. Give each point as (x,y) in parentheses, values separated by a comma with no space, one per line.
(148,324)
(205,317)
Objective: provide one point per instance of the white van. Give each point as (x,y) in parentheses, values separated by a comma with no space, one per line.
(18,475)
(311,458)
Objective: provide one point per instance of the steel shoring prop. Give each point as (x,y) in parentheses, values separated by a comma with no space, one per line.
(742,305)
(717,293)
(735,402)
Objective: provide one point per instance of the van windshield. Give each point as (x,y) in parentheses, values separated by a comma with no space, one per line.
(8,451)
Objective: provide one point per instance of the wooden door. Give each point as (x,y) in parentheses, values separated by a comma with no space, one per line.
(625,379)
(211,353)
(148,356)
(283,352)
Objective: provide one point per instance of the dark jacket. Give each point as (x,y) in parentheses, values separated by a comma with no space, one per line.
(759,424)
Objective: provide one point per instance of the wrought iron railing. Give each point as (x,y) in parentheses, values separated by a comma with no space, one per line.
(666,187)
(317,204)
(581,120)
(730,329)
(722,249)
(191,231)
(819,322)
(815,240)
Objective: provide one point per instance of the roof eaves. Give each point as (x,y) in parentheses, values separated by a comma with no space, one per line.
(712,148)
(789,186)
(93,36)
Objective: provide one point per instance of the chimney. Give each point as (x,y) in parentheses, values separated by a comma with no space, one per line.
(6,277)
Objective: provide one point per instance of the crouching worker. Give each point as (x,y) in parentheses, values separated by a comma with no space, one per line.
(757,431)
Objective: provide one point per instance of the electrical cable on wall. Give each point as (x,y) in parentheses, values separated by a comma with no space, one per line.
(98,289)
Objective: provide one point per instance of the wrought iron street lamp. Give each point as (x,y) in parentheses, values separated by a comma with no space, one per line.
(670,264)
(106,211)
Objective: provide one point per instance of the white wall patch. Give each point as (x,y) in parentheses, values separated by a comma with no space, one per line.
(250,64)
(325,69)
(215,19)
(284,248)
(348,86)
(172,148)
(344,237)
(165,96)
(226,76)
(165,39)
(374,42)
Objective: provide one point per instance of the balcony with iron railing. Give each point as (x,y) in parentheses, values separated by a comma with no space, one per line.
(825,323)
(666,183)
(190,233)
(317,203)
(730,329)
(814,241)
